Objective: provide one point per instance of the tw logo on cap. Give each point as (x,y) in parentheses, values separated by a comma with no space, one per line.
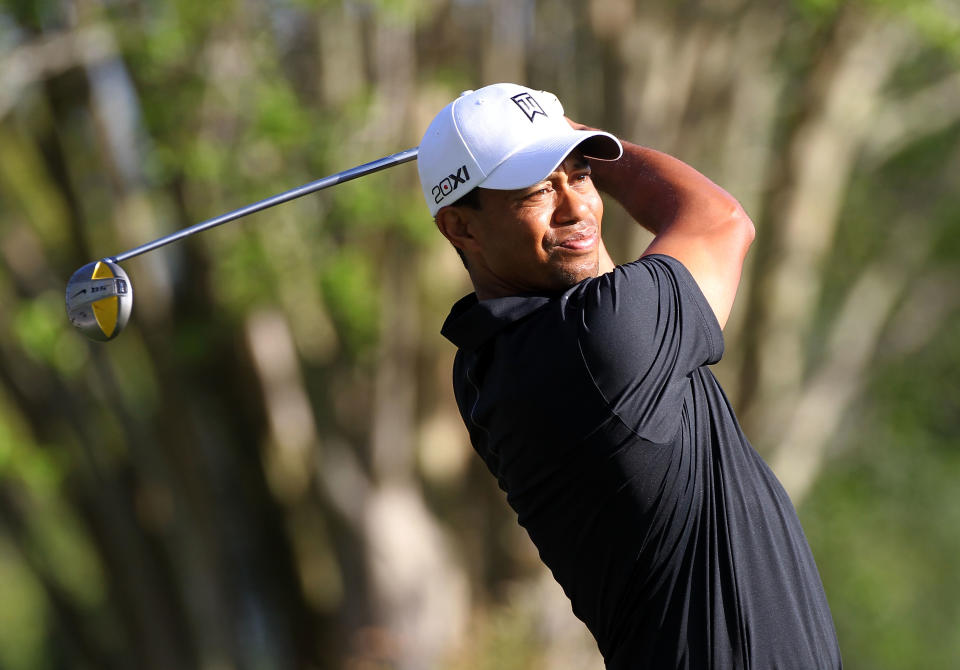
(449,184)
(528,105)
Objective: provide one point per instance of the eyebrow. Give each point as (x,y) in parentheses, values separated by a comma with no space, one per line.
(580,163)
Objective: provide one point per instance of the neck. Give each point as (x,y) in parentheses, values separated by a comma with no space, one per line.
(488,290)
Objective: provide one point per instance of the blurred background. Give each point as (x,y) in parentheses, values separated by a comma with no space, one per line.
(266,471)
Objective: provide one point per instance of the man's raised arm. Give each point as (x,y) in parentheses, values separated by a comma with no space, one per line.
(692,219)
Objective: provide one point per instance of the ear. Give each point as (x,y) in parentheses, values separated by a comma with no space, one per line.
(457,224)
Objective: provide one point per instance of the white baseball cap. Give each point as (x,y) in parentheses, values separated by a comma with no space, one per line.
(504,137)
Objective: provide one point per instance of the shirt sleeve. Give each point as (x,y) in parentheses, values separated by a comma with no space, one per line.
(643,329)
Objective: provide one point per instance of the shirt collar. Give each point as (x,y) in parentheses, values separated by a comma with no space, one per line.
(472,322)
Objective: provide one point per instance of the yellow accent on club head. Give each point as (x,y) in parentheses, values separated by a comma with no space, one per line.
(105,311)
(101,271)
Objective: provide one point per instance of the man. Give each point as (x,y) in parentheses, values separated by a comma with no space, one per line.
(585,389)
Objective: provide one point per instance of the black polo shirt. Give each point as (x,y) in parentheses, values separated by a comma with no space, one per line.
(625,464)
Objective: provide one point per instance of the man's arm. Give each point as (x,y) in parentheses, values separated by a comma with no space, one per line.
(692,219)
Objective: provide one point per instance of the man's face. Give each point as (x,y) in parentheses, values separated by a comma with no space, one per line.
(546,237)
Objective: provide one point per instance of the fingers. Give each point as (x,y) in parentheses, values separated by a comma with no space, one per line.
(575,125)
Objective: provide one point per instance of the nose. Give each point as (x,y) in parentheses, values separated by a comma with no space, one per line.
(571,206)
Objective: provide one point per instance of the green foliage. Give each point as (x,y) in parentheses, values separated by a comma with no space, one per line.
(167,42)
(243,275)
(40,328)
(235,107)
(400,11)
(205,160)
(138,383)
(24,188)
(906,191)
(279,117)
(818,9)
(884,521)
(194,19)
(34,14)
(369,208)
(939,26)
(23,615)
(414,222)
(350,288)
(931,18)
(34,469)
(61,541)
(924,68)
(52,541)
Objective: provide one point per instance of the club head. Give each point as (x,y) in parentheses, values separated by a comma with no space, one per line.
(99,300)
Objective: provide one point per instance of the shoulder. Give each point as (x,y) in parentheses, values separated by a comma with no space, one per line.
(652,297)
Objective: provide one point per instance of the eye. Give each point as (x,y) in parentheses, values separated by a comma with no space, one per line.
(539,192)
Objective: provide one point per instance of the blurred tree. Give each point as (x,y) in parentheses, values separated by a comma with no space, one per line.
(267,469)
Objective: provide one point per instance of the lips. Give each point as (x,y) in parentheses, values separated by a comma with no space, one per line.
(583,240)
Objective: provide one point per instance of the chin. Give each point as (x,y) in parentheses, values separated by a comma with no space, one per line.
(569,276)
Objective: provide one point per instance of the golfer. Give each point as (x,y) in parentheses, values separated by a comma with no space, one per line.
(585,388)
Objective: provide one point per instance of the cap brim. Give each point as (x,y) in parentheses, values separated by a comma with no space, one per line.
(534,162)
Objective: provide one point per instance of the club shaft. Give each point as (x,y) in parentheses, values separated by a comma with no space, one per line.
(286,196)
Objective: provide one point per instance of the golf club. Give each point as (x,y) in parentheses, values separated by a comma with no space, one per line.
(99,295)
